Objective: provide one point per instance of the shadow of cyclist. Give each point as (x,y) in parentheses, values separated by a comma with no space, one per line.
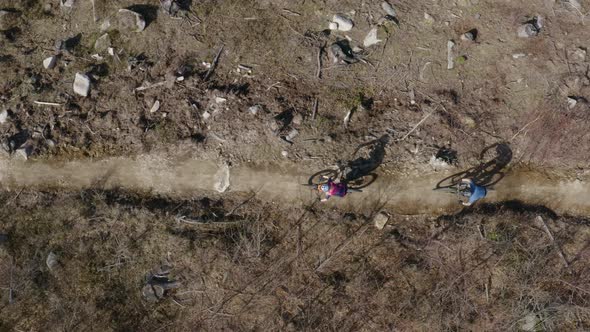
(366,159)
(494,159)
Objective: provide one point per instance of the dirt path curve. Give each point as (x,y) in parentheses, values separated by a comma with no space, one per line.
(183,177)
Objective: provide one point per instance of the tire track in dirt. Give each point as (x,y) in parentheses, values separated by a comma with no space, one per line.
(184,176)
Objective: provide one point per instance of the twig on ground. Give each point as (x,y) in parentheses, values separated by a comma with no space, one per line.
(419,123)
(559,251)
(523,128)
(46,103)
(315,109)
(241,204)
(318,73)
(214,63)
(141,88)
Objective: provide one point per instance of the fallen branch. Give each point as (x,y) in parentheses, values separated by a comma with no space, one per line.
(240,205)
(318,73)
(418,124)
(315,109)
(46,103)
(214,64)
(523,128)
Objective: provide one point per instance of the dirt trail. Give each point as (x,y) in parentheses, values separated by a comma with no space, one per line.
(281,183)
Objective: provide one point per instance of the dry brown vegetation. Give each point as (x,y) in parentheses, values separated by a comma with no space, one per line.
(300,268)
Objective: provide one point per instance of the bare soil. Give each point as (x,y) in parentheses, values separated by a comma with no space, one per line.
(117,191)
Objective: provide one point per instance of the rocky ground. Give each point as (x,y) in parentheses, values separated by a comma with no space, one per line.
(292,86)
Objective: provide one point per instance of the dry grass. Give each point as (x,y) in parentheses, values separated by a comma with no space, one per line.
(285,269)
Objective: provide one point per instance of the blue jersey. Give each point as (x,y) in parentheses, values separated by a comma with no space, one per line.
(477,192)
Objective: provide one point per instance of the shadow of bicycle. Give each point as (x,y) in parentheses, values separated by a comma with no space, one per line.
(359,171)
(495,158)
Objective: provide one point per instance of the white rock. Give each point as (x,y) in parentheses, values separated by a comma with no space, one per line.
(8,19)
(254,109)
(3,116)
(438,164)
(21,154)
(381,220)
(155,107)
(371,38)
(82,84)
(222,179)
(102,43)
(388,8)
(284,153)
(206,115)
(111,51)
(571,102)
(106,24)
(344,23)
(428,18)
(50,62)
(526,31)
(333,26)
(292,134)
(450,60)
(51,261)
(220,100)
(130,20)
(518,55)
(67,3)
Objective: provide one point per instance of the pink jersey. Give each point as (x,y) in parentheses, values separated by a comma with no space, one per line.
(337,189)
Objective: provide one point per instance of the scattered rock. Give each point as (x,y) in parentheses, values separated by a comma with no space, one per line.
(428,18)
(470,35)
(206,115)
(3,116)
(105,25)
(372,38)
(530,322)
(8,19)
(51,261)
(155,106)
(130,21)
(333,26)
(50,143)
(530,28)
(343,22)
(579,54)
(571,102)
(22,153)
(438,163)
(341,52)
(102,43)
(82,84)
(152,293)
(66,3)
(388,8)
(255,109)
(284,153)
(518,55)
(291,136)
(297,119)
(222,179)
(50,62)
(450,48)
(380,220)
(170,7)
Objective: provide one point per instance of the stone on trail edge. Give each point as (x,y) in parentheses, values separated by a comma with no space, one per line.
(222,179)
(381,220)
